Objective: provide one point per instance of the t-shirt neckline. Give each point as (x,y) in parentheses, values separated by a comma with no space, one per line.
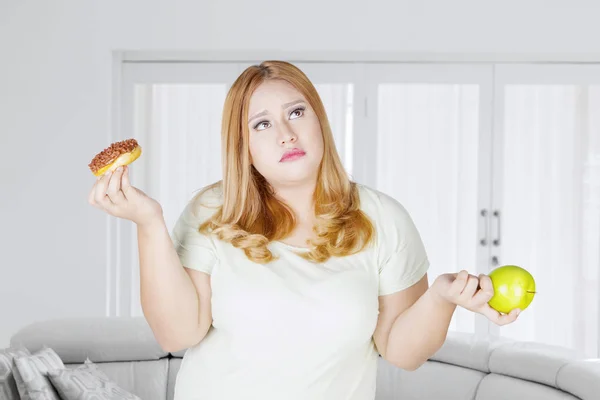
(292,247)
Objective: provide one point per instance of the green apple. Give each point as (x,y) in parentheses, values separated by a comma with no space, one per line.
(514,287)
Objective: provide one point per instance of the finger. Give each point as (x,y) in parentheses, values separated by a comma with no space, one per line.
(125,183)
(114,187)
(485,283)
(498,318)
(470,288)
(505,319)
(485,292)
(92,193)
(101,186)
(490,313)
(93,196)
(481,297)
(459,283)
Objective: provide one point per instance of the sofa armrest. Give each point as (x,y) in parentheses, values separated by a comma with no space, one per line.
(102,339)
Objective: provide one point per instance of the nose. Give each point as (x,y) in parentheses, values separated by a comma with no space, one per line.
(287,135)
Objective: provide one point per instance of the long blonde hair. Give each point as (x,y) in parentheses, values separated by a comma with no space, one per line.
(250,215)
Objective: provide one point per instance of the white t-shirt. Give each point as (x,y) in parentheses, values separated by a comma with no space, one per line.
(292,329)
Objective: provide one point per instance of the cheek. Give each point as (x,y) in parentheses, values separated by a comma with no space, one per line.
(259,151)
(315,136)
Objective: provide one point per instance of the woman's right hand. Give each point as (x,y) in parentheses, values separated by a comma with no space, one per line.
(114,194)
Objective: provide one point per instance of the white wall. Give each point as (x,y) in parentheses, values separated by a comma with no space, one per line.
(55,102)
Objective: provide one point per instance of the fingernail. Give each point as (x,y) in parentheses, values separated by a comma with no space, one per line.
(518,312)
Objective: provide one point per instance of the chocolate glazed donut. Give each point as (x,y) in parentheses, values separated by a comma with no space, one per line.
(117,154)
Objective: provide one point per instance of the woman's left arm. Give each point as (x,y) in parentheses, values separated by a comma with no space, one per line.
(413,323)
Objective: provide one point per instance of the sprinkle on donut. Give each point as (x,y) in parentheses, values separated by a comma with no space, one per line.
(111,153)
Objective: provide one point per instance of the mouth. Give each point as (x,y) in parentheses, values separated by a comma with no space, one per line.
(292,155)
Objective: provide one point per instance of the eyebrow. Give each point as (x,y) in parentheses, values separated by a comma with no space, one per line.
(283,107)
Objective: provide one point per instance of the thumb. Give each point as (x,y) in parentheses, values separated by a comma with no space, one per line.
(125,183)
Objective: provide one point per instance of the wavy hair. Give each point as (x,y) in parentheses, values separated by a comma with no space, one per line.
(250,215)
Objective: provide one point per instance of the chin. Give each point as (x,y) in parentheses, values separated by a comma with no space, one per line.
(300,177)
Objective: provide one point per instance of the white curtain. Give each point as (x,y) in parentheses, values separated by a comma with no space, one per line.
(181,129)
(178,127)
(550,203)
(428,157)
(337,99)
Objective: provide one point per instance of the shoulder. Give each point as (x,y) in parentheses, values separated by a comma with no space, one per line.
(393,222)
(379,205)
(205,203)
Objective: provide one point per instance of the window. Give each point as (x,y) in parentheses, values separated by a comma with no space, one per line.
(474,152)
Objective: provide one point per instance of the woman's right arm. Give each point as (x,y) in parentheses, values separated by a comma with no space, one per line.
(175,300)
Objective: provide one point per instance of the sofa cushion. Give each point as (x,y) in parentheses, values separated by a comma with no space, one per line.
(180,353)
(467,350)
(87,382)
(500,387)
(531,361)
(581,377)
(102,339)
(174,365)
(31,375)
(433,380)
(8,386)
(146,379)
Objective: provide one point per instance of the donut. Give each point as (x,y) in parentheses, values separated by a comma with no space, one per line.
(117,154)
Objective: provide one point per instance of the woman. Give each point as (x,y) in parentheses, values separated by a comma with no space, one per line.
(287,280)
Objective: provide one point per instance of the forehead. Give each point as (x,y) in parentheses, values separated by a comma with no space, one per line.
(273,93)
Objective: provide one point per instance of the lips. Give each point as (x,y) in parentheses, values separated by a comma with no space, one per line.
(292,154)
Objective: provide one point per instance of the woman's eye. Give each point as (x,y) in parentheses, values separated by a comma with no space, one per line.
(298,111)
(261,125)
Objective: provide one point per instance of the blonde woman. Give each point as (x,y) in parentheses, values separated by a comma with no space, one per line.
(286,280)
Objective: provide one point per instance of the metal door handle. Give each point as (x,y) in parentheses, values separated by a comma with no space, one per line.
(496,241)
(483,240)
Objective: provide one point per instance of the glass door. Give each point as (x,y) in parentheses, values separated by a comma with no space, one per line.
(427,144)
(547,197)
(174,110)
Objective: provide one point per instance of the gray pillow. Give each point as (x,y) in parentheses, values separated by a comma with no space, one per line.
(31,374)
(8,386)
(87,382)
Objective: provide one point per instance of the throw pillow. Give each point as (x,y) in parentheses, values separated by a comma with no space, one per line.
(31,374)
(87,382)
(8,386)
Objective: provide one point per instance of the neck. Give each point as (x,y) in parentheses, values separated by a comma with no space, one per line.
(299,198)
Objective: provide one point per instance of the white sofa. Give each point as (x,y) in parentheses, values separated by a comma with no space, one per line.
(465,368)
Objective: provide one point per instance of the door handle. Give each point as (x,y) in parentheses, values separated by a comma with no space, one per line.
(496,241)
(484,213)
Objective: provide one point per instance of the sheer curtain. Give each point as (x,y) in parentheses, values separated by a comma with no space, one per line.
(178,127)
(433,152)
(181,127)
(550,201)
(338,101)
(427,159)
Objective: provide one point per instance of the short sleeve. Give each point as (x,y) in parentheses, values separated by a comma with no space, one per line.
(195,250)
(402,257)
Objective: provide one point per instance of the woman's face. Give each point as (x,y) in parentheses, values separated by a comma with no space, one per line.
(286,143)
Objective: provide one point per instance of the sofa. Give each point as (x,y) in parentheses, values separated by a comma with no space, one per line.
(465,368)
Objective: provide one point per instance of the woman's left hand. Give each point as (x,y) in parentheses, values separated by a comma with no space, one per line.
(473,293)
